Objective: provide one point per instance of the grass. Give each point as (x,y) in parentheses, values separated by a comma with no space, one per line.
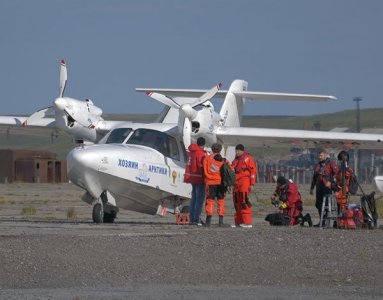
(71,214)
(29,210)
(48,218)
(379,206)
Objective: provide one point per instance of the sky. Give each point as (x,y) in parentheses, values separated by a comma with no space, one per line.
(111,47)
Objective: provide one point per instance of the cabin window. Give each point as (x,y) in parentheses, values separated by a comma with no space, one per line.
(160,141)
(118,135)
(174,152)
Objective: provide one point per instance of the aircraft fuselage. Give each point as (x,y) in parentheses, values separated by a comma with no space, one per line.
(136,177)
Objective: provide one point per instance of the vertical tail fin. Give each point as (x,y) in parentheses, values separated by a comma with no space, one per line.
(232,108)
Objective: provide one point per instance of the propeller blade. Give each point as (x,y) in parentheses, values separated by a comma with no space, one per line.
(63,77)
(186,114)
(37,118)
(208,95)
(163,99)
(186,132)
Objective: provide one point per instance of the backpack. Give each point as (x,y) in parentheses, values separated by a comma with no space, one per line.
(227,176)
(278,219)
(353,186)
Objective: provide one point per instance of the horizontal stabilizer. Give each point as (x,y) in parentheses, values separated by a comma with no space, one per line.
(245,94)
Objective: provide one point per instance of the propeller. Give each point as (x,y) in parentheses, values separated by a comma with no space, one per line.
(36,117)
(70,107)
(187,113)
(63,77)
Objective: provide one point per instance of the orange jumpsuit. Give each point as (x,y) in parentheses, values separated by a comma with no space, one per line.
(211,168)
(344,191)
(245,176)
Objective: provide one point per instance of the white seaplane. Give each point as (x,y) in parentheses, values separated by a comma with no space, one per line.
(140,167)
(80,119)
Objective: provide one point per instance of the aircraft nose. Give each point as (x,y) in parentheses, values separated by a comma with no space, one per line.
(81,161)
(81,158)
(83,165)
(60,103)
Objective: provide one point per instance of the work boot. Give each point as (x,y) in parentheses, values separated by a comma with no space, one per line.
(245,225)
(308,219)
(335,224)
(302,218)
(220,222)
(208,221)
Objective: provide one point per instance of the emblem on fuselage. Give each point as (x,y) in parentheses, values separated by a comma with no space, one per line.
(174,176)
(143,174)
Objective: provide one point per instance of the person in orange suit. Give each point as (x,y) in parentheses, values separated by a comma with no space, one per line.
(290,198)
(245,179)
(343,181)
(212,167)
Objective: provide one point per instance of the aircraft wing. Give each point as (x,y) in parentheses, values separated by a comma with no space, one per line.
(41,118)
(186,93)
(24,121)
(258,137)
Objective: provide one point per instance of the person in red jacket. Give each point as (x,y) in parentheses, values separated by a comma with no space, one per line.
(290,202)
(212,167)
(323,180)
(194,175)
(343,179)
(245,179)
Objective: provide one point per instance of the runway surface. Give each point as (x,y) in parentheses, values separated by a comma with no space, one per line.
(47,256)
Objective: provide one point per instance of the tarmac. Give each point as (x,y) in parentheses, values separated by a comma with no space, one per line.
(50,249)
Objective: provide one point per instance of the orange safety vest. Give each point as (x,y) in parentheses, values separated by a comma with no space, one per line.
(212,170)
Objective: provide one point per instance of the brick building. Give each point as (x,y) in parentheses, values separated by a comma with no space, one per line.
(31,166)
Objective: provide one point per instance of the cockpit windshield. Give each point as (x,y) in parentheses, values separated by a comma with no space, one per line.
(157,140)
(117,136)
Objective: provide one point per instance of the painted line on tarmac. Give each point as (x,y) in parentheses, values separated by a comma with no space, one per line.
(134,234)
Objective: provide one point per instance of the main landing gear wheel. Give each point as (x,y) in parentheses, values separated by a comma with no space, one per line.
(109,218)
(98,213)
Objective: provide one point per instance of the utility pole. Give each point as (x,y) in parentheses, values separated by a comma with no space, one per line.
(357,100)
(356,152)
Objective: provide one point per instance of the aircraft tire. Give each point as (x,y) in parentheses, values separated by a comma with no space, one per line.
(109,218)
(97,214)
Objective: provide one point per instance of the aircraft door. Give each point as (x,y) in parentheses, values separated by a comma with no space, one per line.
(175,161)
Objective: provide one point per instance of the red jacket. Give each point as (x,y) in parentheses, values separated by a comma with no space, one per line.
(289,194)
(194,165)
(245,170)
(291,197)
(325,171)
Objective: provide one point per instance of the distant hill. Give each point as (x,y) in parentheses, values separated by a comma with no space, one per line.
(60,143)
